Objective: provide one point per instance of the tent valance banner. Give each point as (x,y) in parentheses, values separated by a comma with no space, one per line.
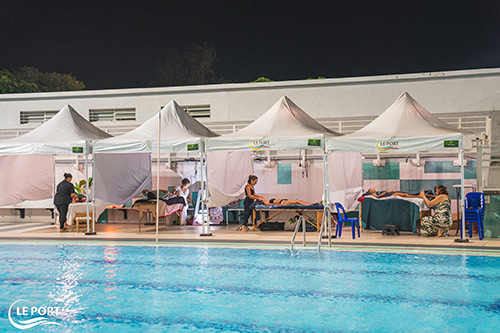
(285,126)
(394,144)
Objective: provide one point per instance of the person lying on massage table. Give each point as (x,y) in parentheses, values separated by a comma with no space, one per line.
(384,194)
(284,202)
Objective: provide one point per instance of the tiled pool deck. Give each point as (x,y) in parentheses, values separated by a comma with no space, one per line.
(224,236)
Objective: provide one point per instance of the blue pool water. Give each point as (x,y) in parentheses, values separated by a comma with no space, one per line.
(133,289)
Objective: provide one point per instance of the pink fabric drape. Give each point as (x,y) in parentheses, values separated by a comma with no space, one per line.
(25,177)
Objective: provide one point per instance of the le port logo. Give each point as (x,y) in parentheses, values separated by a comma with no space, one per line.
(387,144)
(258,144)
(24,317)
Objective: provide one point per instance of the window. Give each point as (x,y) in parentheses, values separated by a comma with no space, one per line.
(29,117)
(112,114)
(197,111)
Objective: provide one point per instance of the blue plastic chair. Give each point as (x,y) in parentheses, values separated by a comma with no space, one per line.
(474,212)
(342,218)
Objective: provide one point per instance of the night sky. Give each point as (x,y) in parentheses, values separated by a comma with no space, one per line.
(114,44)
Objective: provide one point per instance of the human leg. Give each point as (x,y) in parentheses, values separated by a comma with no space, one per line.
(183,216)
(63,212)
(428,227)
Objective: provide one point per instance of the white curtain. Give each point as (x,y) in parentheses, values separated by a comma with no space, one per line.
(120,177)
(345,171)
(227,175)
(26,177)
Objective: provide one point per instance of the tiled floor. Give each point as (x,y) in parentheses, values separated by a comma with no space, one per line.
(227,235)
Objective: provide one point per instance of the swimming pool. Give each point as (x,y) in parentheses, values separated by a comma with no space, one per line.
(139,288)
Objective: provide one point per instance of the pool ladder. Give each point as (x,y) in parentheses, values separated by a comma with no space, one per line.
(325,224)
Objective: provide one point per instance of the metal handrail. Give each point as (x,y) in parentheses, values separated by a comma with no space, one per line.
(300,221)
(326,223)
(475,123)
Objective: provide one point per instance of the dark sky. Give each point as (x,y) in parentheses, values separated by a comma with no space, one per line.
(114,44)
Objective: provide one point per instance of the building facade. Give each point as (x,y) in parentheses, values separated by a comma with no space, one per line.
(345,104)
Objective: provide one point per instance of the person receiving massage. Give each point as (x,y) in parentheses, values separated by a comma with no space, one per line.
(285,202)
(251,200)
(383,194)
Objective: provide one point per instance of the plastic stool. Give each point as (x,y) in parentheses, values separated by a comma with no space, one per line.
(390,229)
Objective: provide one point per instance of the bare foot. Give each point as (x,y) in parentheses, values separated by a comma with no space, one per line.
(244,229)
(440,232)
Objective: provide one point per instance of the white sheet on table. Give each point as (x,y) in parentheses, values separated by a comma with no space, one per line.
(417,201)
(81,208)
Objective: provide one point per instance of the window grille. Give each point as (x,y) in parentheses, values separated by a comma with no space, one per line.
(114,114)
(197,111)
(30,117)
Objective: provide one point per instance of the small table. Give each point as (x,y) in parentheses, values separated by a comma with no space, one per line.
(78,212)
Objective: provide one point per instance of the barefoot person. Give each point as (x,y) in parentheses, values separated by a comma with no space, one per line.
(65,193)
(438,224)
(251,199)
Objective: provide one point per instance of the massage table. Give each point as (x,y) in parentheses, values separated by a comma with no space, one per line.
(77,212)
(145,207)
(401,211)
(276,210)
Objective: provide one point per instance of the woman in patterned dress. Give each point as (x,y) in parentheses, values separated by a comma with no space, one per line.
(440,222)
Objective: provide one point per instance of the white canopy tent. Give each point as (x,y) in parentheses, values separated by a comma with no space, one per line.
(176,131)
(65,134)
(405,126)
(285,126)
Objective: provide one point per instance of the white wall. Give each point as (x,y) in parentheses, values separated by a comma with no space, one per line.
(447,92)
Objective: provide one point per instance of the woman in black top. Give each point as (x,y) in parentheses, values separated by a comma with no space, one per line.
(65,192)
(250,200)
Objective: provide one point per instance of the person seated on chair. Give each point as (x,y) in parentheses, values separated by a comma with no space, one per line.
(285,202)
(183,191)
(438,224)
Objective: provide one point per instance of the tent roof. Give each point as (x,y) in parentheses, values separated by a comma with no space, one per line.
(283,126)
(178,128)
(56,136)
(405,117)
(404,126)
(66,125)
(283,119)
(176,124)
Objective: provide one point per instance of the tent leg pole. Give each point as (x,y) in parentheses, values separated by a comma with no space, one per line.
(89,232)
(158,178)
(205,231)
(462,198)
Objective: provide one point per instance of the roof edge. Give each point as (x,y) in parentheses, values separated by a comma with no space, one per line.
(255,86)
